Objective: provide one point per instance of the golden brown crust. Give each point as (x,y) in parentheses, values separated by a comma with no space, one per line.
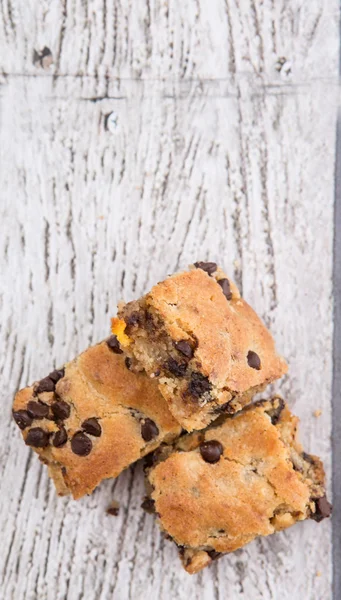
(191,306)
(262,483)
(98,384)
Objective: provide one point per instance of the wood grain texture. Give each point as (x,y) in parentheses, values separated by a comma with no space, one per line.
(221,150)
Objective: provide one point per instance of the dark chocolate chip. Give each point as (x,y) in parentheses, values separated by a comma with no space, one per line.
(208,267)
(114,344)
(225,408)
(37,437)
(308,458)
(323,509)
(128,362)
(45,385)
(213,554)
(148,504)
(276,412)
(176,368)
(225,286)
(211,451)
(37,410)
(22,418)
(60,438)
(57,374)
(199,385)
(253,360)
(149,430)
(81,444)
(92,427)
(60,409)
(133,319)
(113,511)
(185,348)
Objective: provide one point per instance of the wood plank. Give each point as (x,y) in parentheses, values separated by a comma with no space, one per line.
(220,151)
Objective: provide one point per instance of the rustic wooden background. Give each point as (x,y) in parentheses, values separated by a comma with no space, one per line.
(148,135)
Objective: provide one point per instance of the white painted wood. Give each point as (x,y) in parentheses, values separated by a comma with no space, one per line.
(216,154)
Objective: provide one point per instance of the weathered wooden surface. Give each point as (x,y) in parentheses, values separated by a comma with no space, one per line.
(220,150)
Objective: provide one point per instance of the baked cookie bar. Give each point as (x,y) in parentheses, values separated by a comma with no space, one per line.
(216,490)
(206,346)
(91,419)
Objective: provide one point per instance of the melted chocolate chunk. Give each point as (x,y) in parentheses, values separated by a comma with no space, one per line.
(149,430)
(22,418)
(208,267)
(199,385)
(148,504)
(128,362)
(37,410)
(92,427)
(211,451)
(276,412)
(308,458)
(37,437)
(45,385)
(114,344)
(81,444)
(225,408)
(61,410)
(254,360)
(213,554)
(60,438)
(185,348)
(56,375)
(323,509)
(135,318)
(225,286)
(176,368)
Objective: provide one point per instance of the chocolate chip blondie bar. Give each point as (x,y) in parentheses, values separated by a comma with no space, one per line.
(206,346)
(91,419)
(245,476)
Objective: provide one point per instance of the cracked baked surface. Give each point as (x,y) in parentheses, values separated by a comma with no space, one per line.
(206,346)
(247,476)
(91,419)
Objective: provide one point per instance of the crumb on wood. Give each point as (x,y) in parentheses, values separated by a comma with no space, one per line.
(317,413)
(318,573)
(113,509)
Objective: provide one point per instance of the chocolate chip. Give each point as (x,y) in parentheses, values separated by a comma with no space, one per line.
(114,344)
(184,347)
(227,408)
(149,430)
(56,375)
(45,385)
(308,458)
(81,444)
(22,418)
(113,511)
(148,504)
(133,319)
(92,427)
(225,286)
(60,409)
(176,368)
(208,267)
(37,410)
(323,509)
(37,437)
(253,360)
(128,362)
(275,413)
(211,451)
(213,554)
(60,438)
(199,385)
